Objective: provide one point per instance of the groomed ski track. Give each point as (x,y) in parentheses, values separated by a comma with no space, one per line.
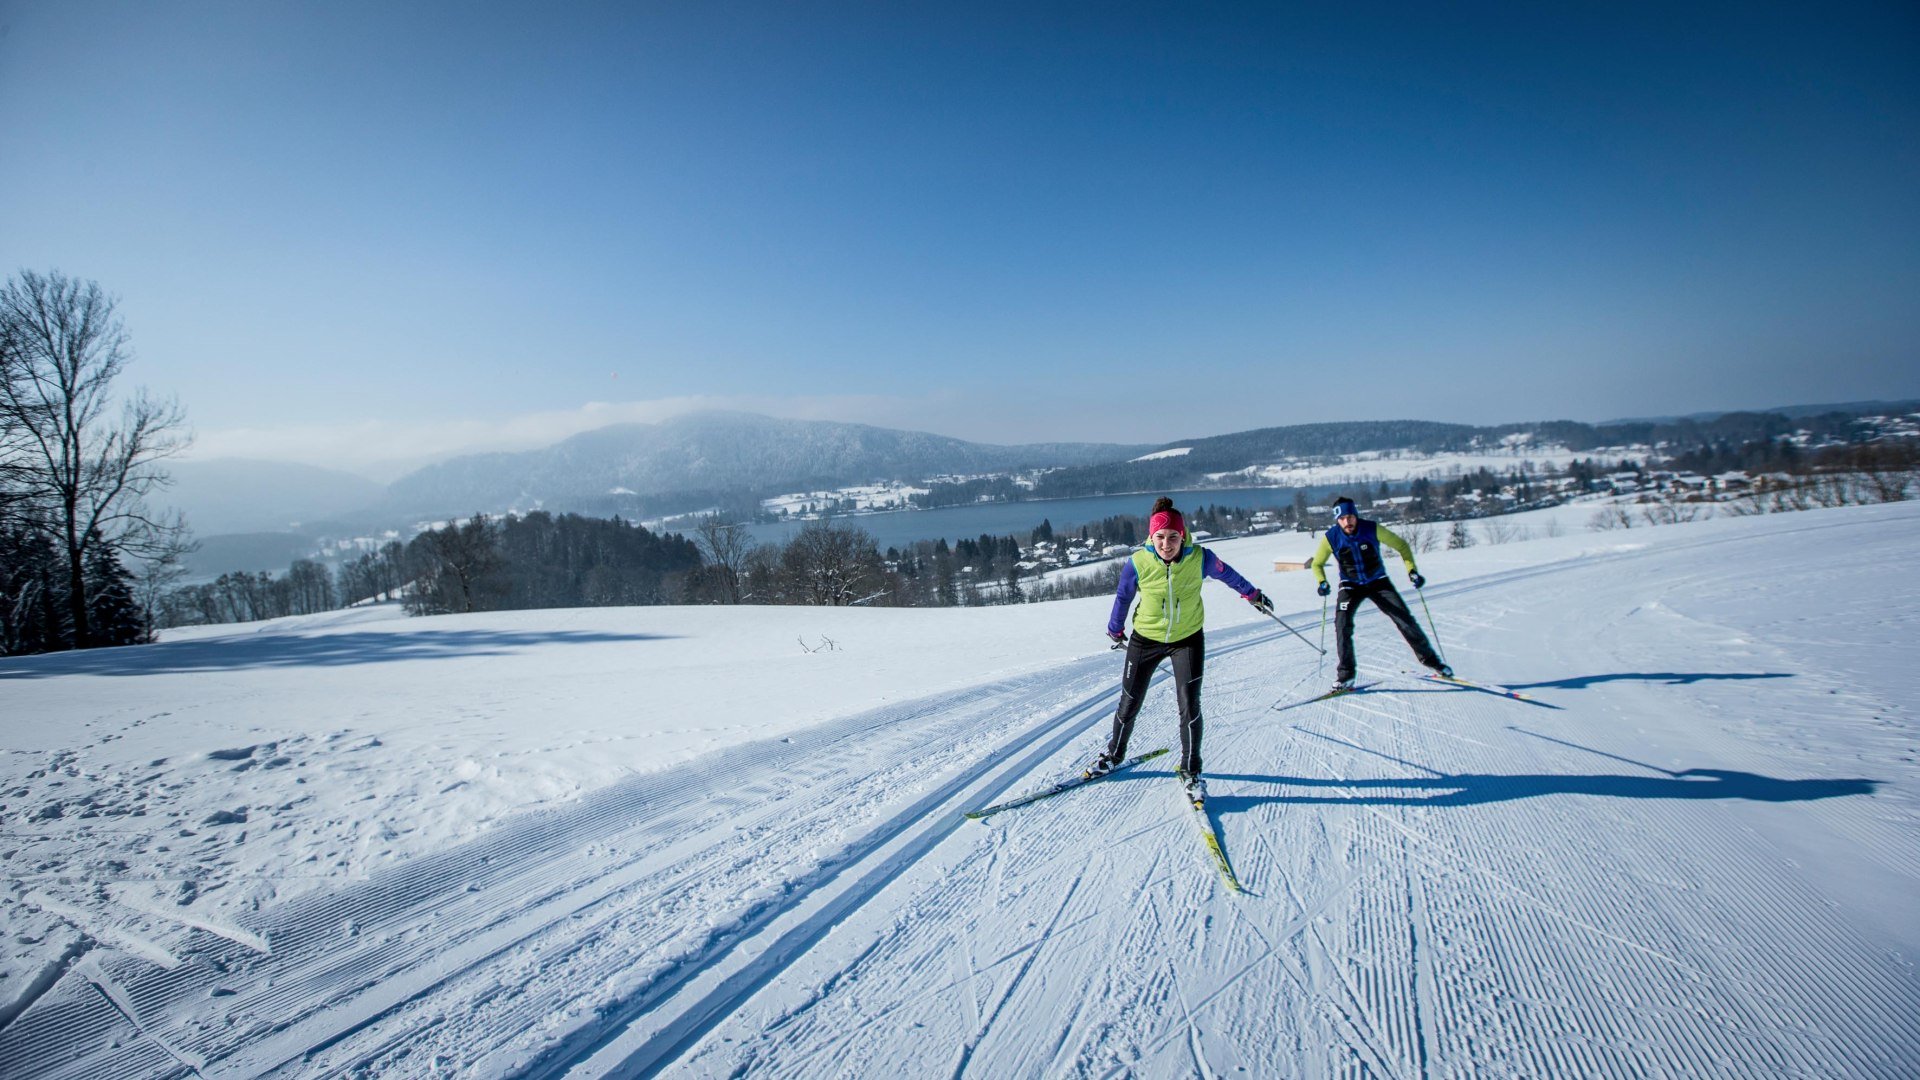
(1684,870)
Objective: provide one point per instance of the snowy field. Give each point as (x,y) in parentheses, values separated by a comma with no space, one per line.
(1398,466)
(718,842)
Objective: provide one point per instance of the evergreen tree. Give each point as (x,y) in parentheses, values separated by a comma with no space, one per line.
(945,589)
(32,592)
(114,616)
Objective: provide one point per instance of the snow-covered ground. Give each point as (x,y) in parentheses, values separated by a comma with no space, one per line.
(858,498)
(728,841)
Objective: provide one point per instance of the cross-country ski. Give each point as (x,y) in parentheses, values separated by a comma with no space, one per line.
(1216,853)
(1469,684)
(1061,787)
(1338,691)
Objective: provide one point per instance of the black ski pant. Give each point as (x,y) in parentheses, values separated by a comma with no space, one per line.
(1189,656)
(1387,599)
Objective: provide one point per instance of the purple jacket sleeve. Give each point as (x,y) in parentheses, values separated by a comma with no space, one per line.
(1123,598)
(1214,568)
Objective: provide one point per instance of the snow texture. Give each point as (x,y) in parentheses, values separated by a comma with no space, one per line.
(719,842)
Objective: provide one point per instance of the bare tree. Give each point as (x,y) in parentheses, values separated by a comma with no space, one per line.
(309,587)
(153,580)
(357,580)
(1498,531)
(1885,470)
(1611,516)
(390,571)
(15,475)
(726,546)
(1421,536)
(1673,509)
(831,565)
(450,565)
(70,466)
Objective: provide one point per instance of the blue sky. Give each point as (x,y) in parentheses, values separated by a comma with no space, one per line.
(346,232)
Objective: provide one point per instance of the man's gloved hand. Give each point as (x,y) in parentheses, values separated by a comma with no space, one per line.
(1419,582)
(1116,637)
(1259,601)
(1325,588)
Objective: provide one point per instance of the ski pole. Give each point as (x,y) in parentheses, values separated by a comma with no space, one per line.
(1431,628)
(1268,612)
(1322,662)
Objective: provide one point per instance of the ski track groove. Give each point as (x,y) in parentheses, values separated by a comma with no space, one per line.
(1013,983)
(714,1011)
(1365,1012)
(310,929)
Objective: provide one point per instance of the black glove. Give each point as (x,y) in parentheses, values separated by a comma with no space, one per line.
(1418,581)
(1325,588)
(1259,601)
(1116,637)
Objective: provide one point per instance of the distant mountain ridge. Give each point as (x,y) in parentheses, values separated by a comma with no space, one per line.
(732,460)
(1791,412)
(711,452)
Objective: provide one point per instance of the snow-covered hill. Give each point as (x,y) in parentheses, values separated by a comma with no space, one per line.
(728,841)
(711,452)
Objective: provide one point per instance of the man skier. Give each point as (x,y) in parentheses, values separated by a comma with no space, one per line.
(1355,542)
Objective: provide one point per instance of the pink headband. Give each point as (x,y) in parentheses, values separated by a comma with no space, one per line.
(1166,519)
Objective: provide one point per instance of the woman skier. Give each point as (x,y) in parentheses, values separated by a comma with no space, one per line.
(1165,573)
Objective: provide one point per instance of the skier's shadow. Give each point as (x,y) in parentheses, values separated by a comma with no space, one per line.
(1476,789)
(1671,678)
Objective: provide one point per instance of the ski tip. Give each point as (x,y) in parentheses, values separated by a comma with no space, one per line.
(1151,754)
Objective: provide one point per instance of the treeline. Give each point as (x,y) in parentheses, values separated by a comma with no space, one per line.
(832,562)
(1326,443)
(483,564)
(968,492)
(541,561)
(81,555)
(239,596)
(1877,472)
(38,591)
(1731,428)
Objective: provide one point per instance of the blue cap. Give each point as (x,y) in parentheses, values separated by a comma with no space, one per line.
(1343,508)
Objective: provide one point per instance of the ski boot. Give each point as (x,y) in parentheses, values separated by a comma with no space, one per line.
(1196,789)
(1101,766)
